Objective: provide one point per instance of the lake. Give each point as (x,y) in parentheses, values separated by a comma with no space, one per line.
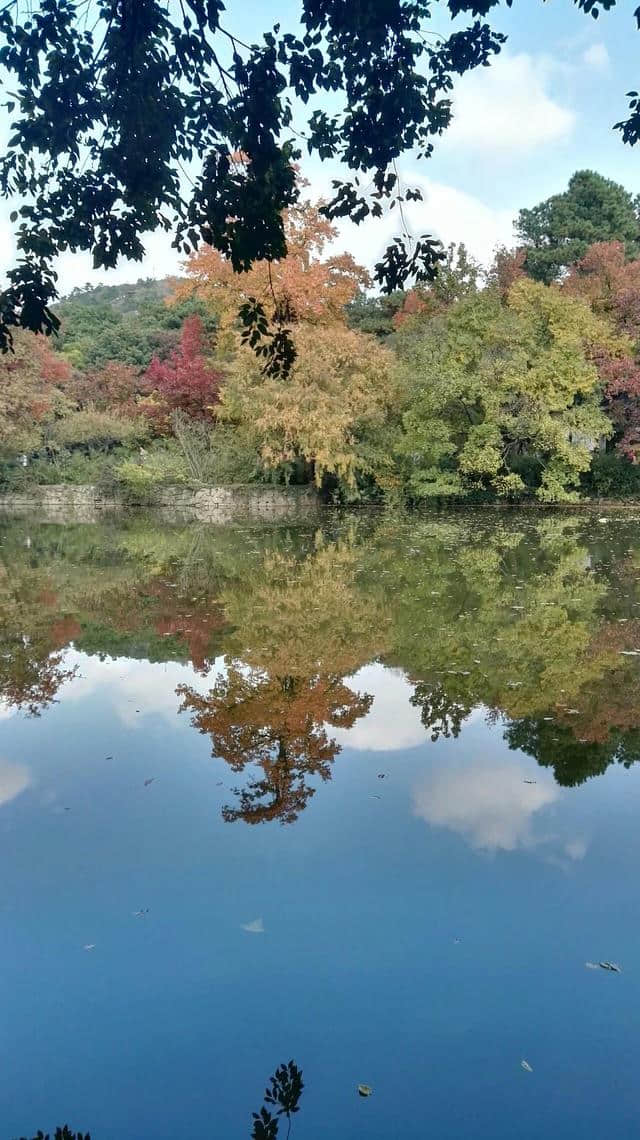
(363,795)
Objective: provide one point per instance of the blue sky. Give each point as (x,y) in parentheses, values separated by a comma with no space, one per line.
(545,108)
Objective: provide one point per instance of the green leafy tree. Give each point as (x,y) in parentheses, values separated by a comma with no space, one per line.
(374,315)
(493,382)
(557,232)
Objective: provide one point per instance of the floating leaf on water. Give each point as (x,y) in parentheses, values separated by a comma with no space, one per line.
(364,1090)
(381,775)
(89,946)
(611,966)
(255,927)
(526,1066)
(147,782)
(140,913)
(530,781)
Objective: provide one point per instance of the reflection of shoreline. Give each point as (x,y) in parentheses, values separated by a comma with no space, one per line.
(524,623)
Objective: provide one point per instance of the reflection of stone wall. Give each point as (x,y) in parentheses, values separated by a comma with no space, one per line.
(221,504)
(63,502)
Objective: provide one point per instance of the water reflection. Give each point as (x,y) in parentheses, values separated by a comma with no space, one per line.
(278,724)
(532,619)
(428,930)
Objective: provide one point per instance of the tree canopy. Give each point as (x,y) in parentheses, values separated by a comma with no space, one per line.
(492,380)
(557,232)
(110,101)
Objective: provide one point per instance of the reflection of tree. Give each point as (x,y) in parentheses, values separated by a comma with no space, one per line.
(298,627)
(574,761)
(277,724)
(442,711)
(30,673)
(31,666)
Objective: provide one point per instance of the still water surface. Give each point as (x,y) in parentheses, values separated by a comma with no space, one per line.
(365,796)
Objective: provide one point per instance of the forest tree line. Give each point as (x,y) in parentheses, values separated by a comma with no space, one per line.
(513,380)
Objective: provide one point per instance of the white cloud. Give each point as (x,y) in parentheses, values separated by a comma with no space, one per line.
(14,779)
(445,212)
(596,57)
(486,802)
(506,109)
(392,723)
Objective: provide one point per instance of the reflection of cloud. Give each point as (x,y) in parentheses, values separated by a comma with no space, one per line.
(487,803)
(14,779)
(576,849)
(392,722)
(126,685)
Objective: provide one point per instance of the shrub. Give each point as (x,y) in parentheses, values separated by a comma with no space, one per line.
(94,429)
(140,479)
(613,476)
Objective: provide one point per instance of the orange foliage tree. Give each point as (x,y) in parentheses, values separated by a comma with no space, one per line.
(306,285)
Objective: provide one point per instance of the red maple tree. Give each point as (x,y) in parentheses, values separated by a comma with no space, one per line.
(186,381)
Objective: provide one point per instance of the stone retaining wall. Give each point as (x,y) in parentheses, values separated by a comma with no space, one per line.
(67,503)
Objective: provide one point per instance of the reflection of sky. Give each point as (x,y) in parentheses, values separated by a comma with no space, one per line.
(181,1015)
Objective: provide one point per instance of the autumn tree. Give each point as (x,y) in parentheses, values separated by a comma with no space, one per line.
(507,267)
(115,385)
(186,381)
(610,282)
(31,380)
(309,285)
(557,232)
(339,394)
(492,382)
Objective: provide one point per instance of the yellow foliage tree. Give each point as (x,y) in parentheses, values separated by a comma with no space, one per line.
(342,388)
